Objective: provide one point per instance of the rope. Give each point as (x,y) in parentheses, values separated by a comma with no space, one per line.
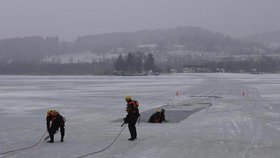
(99,151)
(29,147)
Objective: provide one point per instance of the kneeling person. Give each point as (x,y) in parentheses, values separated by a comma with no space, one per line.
(158,117)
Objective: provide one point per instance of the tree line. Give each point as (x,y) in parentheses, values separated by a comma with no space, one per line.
(130,64)
(139,64)
(263,63)
(134,63)
(41,68)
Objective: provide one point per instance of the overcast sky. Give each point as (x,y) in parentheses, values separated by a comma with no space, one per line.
(71,18)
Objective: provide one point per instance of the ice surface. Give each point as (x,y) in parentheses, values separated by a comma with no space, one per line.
(235,126)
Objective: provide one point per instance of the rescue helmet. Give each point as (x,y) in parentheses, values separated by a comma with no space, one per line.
(51,112)
(127,98)
(158,110)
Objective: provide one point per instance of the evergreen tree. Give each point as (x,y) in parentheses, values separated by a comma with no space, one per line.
(149,63)
(129,64)
(119,65)
(138,62)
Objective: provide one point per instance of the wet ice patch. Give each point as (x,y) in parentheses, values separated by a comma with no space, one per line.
(179,109)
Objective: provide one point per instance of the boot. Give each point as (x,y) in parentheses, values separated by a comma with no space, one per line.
(52,137)
(131,139)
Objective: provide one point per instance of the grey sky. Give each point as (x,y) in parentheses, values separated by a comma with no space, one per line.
(71,18)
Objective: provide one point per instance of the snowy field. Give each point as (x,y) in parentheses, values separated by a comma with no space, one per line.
(243,120)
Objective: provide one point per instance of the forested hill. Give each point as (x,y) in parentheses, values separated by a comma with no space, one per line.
(190,38)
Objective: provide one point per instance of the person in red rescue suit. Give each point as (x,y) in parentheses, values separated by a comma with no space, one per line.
(55,121)
(132,116)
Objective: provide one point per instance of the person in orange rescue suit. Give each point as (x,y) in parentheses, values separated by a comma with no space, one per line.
(132,116)
(55,121)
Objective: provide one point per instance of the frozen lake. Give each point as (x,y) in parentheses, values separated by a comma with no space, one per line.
(243,120)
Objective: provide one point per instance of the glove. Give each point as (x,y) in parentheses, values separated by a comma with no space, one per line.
(125,120)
